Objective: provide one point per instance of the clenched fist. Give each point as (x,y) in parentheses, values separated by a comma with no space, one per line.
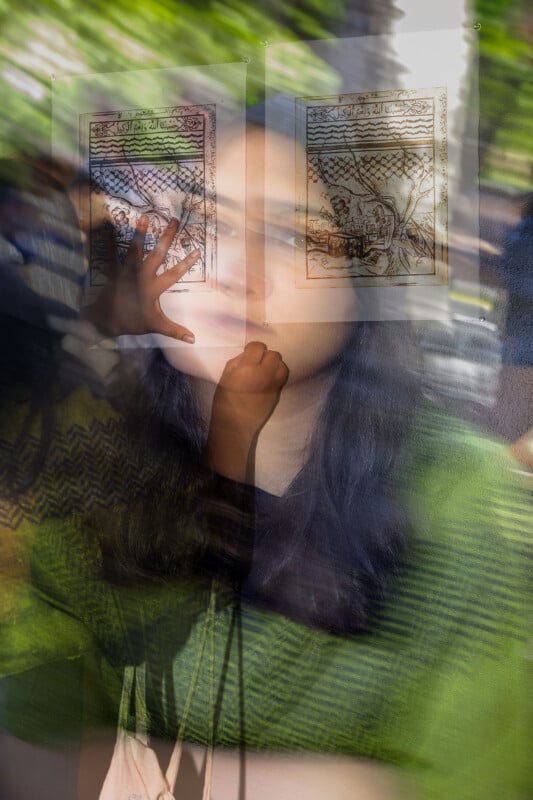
(245,397)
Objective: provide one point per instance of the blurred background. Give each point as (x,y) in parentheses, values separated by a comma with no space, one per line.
(46,40)
(50,38)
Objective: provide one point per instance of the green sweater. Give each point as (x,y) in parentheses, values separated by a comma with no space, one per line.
(440,686)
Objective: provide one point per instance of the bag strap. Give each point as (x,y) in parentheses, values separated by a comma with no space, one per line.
(208,777)
(141,713)
(175,758)
(135,676)
(125,698)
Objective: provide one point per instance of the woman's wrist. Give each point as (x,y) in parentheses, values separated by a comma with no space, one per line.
(229,451)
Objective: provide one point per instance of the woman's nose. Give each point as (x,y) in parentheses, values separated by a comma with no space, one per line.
(251,280)
(253,287)
(256,287)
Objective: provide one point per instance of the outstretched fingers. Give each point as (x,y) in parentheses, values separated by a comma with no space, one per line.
(135,252)
(153,260)
(173,275)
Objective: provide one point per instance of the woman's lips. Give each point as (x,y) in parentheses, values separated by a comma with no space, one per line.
(232,325)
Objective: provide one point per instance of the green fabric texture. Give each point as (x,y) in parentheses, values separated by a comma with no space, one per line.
(440,686)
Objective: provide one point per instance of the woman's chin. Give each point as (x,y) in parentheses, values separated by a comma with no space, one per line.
(306,348)
(206,363)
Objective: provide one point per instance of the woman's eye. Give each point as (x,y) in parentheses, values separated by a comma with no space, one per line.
(298,240)
(289,238)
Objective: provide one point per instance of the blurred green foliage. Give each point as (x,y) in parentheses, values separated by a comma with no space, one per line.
(46,39)
(50,38)
(506,91)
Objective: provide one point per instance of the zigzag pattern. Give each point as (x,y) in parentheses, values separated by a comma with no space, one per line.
(147,146)
(385,129)
(85,469)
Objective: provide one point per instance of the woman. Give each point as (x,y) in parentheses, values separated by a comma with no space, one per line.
(378,624)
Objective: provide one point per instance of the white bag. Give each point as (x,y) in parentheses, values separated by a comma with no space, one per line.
(134,772)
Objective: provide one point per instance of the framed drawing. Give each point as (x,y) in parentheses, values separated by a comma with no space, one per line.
(385,178)
(381,160)
(154,162)
(160,160)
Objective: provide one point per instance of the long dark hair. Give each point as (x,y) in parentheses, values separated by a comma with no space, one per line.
(325,551)
(334,540)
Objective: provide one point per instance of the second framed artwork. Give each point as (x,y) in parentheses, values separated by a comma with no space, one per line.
(377,179)
(381,160)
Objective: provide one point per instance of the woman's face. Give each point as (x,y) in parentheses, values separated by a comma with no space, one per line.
(243,222)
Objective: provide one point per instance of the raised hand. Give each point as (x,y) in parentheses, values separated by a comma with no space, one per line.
(130,301)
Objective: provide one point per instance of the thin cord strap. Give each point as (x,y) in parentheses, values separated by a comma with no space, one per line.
(242,720)
(173,768)
(129,674)
(125,698)
(208,777)
(175,759)
(141,714)
(208,780)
